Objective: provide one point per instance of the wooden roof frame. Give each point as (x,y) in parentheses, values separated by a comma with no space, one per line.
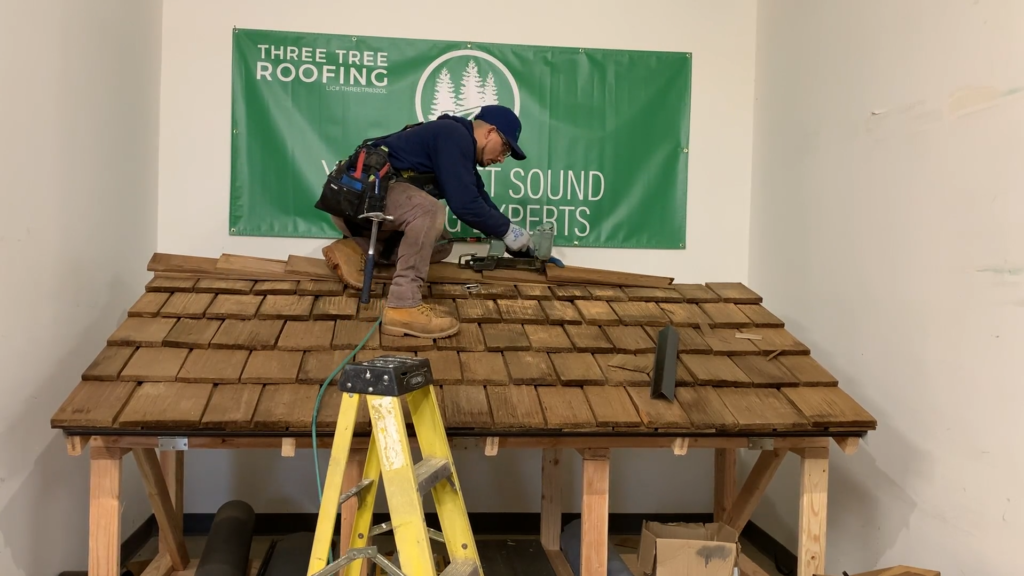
(739,365)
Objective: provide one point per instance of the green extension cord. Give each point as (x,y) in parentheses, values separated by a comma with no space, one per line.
(316,410)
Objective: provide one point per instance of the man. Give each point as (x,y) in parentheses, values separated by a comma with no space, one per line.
(444,155)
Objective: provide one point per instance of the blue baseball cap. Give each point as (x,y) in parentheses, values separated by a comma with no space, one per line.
(506,121)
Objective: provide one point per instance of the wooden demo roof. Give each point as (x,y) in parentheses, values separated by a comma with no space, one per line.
(242,344)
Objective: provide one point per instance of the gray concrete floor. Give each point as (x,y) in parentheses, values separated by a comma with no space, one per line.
(625,545)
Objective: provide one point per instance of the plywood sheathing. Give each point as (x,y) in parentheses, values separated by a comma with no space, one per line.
(240,343)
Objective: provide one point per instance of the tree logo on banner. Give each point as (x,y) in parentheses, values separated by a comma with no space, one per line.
(460,82)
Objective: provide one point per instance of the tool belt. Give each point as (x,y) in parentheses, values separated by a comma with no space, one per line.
(425,182)
(359,184)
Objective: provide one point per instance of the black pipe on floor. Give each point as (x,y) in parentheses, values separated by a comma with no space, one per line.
(227,547)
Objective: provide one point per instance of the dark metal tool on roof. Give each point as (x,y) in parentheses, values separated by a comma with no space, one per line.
(533,259)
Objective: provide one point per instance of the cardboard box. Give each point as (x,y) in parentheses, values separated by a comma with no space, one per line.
(688,549)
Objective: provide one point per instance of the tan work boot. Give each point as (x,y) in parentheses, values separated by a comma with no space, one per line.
(420,321)
(347,260)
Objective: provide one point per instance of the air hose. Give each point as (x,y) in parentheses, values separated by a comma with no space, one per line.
(316,411)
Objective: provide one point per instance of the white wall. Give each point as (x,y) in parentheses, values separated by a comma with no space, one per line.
(887,224)
(195,153)
(78,158)
(195,173)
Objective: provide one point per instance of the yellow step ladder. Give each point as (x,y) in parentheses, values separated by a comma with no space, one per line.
(383,381)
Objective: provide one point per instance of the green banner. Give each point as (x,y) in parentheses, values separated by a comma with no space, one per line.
(606,132)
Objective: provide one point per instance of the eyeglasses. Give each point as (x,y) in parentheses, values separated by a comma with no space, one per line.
(506,147)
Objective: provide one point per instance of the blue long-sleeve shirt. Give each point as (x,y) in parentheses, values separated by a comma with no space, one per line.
(446,148)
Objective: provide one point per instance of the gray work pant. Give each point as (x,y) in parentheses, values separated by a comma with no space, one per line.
(419,221)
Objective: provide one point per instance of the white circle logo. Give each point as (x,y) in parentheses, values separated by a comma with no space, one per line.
(460,82)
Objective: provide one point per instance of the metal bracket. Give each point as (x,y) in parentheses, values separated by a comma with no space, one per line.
(760,443)
(355,490)
(172,443)
(388,526)
(366,553)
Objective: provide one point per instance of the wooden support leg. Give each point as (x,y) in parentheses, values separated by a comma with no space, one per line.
(353,475)
(594,516)
(725,481)
(160,499)
(813,507)
(105,510)
(551,499)
(172,462)
(753,489)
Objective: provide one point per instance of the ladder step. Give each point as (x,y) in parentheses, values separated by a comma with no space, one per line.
(430,471)
(355,490)
(461,568)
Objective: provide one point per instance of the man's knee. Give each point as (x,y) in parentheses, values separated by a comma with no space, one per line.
(438,219)
(340,225)
(442,251)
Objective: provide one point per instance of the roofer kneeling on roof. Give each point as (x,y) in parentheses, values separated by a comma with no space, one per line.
(418,166)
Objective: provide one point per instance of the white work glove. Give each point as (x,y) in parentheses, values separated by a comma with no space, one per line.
(516,239)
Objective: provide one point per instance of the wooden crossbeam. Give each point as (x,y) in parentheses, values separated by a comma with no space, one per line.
(680,446)
(76,444)
(288,447)
(491,447)
(163,508)
(160,566)
(848,444)
(504,442)
(753,489)
(559,563)
(594,453)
